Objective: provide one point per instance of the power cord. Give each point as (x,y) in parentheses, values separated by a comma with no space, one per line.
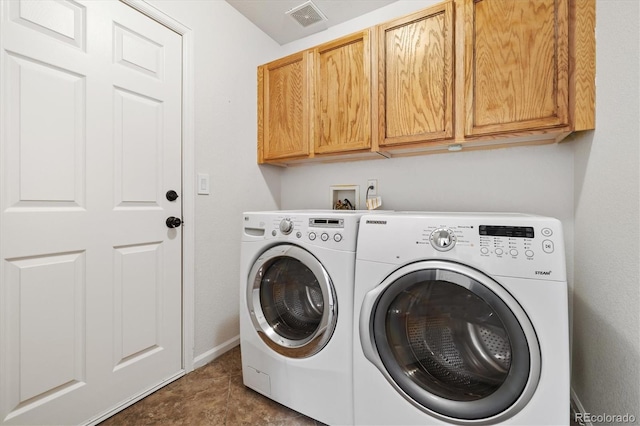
(368,189)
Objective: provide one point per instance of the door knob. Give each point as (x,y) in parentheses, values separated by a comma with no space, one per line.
(172,195)
(173,222)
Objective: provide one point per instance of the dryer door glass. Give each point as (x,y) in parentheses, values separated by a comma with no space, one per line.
(292,301)
(451,344)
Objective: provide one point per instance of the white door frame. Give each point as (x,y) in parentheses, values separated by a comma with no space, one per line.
(188,176)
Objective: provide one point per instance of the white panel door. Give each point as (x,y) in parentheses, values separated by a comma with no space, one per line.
(90,297)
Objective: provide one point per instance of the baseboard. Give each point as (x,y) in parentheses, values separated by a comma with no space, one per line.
(577,409)
(214,353)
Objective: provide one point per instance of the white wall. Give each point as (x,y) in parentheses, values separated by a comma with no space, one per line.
(606,350)
(599,169)
(525,179)
(228,49)
(383,14)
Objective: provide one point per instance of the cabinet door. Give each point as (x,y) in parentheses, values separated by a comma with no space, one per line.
(415,77)
(516,71)
(342,94)
(283,108)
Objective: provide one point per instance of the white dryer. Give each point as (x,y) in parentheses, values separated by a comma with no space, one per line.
(460,319)
(296,309)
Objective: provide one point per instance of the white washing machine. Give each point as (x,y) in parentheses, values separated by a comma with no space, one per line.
(296,309)
(460,319)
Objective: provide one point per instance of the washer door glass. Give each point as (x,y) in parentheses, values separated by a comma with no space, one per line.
(292,301)
(451,344)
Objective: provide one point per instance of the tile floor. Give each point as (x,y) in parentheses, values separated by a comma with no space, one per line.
(211,395)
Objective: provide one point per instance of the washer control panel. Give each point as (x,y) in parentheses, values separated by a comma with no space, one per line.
(327,229)
(491,240)
(515,241)
(504,241)
(513,245)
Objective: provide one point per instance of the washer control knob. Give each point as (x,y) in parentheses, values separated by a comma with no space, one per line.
(324,236)
(286,226)
(337,238)
(312,236)
(443,239)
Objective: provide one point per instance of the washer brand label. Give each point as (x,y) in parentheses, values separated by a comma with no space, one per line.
(547,273)
(376,222)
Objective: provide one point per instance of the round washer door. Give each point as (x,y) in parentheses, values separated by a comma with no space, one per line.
(452,341)
(291,301)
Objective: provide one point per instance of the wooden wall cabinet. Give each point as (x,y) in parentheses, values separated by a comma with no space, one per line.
(462,74)
(522,61)
(415,64)
(342,95)
(516,65)
(316,103)
(283,108)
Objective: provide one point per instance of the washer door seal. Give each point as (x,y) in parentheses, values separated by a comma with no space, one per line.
(291,301)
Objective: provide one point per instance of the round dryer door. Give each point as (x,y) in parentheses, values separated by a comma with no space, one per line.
(452,341)
(291,301)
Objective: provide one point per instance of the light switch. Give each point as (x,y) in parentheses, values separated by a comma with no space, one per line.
(203,184)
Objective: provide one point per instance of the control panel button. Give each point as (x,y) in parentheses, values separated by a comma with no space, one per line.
(513,252)
(547,246)
(484,250)
(299,234)
(337,238)
(274,233)
(324,236)
(529,253)
(499,252)
(312,236)
(547,232)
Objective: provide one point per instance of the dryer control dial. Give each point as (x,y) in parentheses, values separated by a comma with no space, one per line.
(286,226)
(443,239)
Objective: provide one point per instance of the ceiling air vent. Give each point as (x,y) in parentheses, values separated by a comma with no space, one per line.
(307,14)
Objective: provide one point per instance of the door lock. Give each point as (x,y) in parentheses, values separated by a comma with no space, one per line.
(173,222)
(172,195)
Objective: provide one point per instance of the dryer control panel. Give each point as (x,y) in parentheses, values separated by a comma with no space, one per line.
(512,245)
(515,241)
